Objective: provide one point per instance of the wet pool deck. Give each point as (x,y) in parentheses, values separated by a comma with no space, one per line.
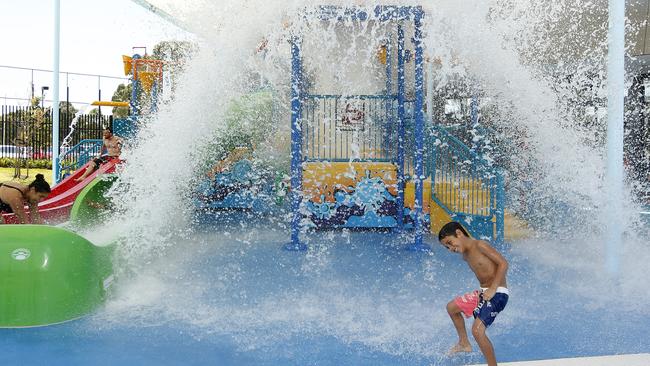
(354,298)
(615,360)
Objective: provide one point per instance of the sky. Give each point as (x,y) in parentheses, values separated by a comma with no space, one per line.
(94,36)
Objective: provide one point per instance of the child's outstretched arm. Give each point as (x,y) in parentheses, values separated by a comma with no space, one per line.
(502,268)
(18,207)
(34,214)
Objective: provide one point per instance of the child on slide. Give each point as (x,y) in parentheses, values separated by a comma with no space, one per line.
(113,146)
(484,305)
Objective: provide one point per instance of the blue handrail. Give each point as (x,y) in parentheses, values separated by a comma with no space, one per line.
(466,185)
(78,156)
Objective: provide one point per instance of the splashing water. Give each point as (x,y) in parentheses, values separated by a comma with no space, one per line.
(504,47)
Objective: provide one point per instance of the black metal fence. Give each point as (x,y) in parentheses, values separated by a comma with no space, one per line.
(26,132)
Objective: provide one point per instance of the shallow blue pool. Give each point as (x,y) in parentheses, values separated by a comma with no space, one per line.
(355,298)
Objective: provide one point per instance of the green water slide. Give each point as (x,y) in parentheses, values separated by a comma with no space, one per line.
(92,206)
(50,274)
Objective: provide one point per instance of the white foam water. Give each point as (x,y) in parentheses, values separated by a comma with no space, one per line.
(497,44)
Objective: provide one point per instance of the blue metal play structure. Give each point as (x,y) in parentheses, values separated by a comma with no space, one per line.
(364,161)
(463,182)
(146,77)
(389,109)
(78,156)
(139,68)
(453,164)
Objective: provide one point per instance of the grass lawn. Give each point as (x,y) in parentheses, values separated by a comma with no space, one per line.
(7,175)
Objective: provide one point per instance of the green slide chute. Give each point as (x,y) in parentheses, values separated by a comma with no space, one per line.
(50,274)
(92,206)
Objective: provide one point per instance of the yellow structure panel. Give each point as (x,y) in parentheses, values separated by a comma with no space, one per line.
(147,78)
(409,195)
(515,228)
(128,64)
(438,215)
(464,196)
(322,179)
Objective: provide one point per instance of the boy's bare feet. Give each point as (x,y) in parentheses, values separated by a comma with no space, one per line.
(458,348)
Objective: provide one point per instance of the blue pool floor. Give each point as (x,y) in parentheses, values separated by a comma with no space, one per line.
(354,298)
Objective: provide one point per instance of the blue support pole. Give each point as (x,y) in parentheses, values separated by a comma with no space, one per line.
(154,97)
(296,146)
(135,85)
(476,144)
(389,68)
(389,122)
(419,132)
(401,94)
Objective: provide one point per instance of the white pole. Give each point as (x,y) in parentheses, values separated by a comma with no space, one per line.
(55,83)
(615,110)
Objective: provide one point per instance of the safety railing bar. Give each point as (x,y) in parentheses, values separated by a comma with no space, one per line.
(342,96)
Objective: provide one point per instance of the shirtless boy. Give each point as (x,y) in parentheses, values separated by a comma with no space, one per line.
(113,146)
(490,269)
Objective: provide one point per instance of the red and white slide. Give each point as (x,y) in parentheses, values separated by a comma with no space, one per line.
(56,207)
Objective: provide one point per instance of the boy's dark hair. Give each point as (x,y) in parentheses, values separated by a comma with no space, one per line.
(109,129)
(450,230)
(40,185)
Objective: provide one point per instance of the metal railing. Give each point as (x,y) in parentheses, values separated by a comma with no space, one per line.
(466,185)
(78,156)
(343,128)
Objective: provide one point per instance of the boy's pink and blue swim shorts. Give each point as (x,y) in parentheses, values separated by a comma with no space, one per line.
(472,304)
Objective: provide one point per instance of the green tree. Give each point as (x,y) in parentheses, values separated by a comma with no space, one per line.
(66,107)
(173,52)
(121,94)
